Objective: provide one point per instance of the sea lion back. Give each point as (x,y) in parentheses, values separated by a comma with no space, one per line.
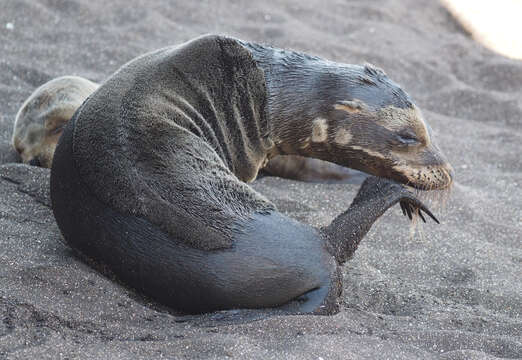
(170,136)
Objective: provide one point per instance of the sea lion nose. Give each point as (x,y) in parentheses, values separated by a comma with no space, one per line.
(35,162)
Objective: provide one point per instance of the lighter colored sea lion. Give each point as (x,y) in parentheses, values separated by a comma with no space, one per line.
(40,120)
(149,176)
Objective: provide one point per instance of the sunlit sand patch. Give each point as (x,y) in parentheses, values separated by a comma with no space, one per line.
(495,24)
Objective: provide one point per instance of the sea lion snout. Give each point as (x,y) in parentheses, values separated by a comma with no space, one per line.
(425,168)
(425,178)
(390,141)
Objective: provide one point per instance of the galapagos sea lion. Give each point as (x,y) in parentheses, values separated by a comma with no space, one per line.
(41,118)
(149,176)
(307,169)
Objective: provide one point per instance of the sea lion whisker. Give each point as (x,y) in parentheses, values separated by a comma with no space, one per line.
(419,212)
(403,208)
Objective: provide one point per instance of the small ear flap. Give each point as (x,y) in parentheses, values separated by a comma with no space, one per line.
(351,106)
(373,70)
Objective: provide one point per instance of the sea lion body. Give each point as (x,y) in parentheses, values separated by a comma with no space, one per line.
(39,122)
(149,180)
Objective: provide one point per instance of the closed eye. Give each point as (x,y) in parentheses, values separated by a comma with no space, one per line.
(407,139)
(57,129)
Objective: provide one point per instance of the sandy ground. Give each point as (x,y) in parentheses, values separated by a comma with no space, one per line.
(454,293)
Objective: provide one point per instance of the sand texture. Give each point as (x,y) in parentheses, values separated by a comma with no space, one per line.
(454,293)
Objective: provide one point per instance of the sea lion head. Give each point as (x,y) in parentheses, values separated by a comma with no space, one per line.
(40,121)
(375,127)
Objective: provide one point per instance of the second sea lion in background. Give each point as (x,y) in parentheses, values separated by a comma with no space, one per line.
(300,168)
(41,118)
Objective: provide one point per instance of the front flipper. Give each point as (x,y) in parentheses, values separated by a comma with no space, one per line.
(412,205)
(375,196)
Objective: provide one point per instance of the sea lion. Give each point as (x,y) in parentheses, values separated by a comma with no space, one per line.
(301,168)
(149,175)
(41,118)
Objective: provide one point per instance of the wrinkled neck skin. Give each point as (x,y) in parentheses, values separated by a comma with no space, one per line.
(300,89)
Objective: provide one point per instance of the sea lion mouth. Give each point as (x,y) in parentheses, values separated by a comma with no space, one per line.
(425,178)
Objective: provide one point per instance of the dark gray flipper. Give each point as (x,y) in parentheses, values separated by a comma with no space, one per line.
(375,196)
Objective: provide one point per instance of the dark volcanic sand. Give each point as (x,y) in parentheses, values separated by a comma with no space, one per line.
(455,293)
